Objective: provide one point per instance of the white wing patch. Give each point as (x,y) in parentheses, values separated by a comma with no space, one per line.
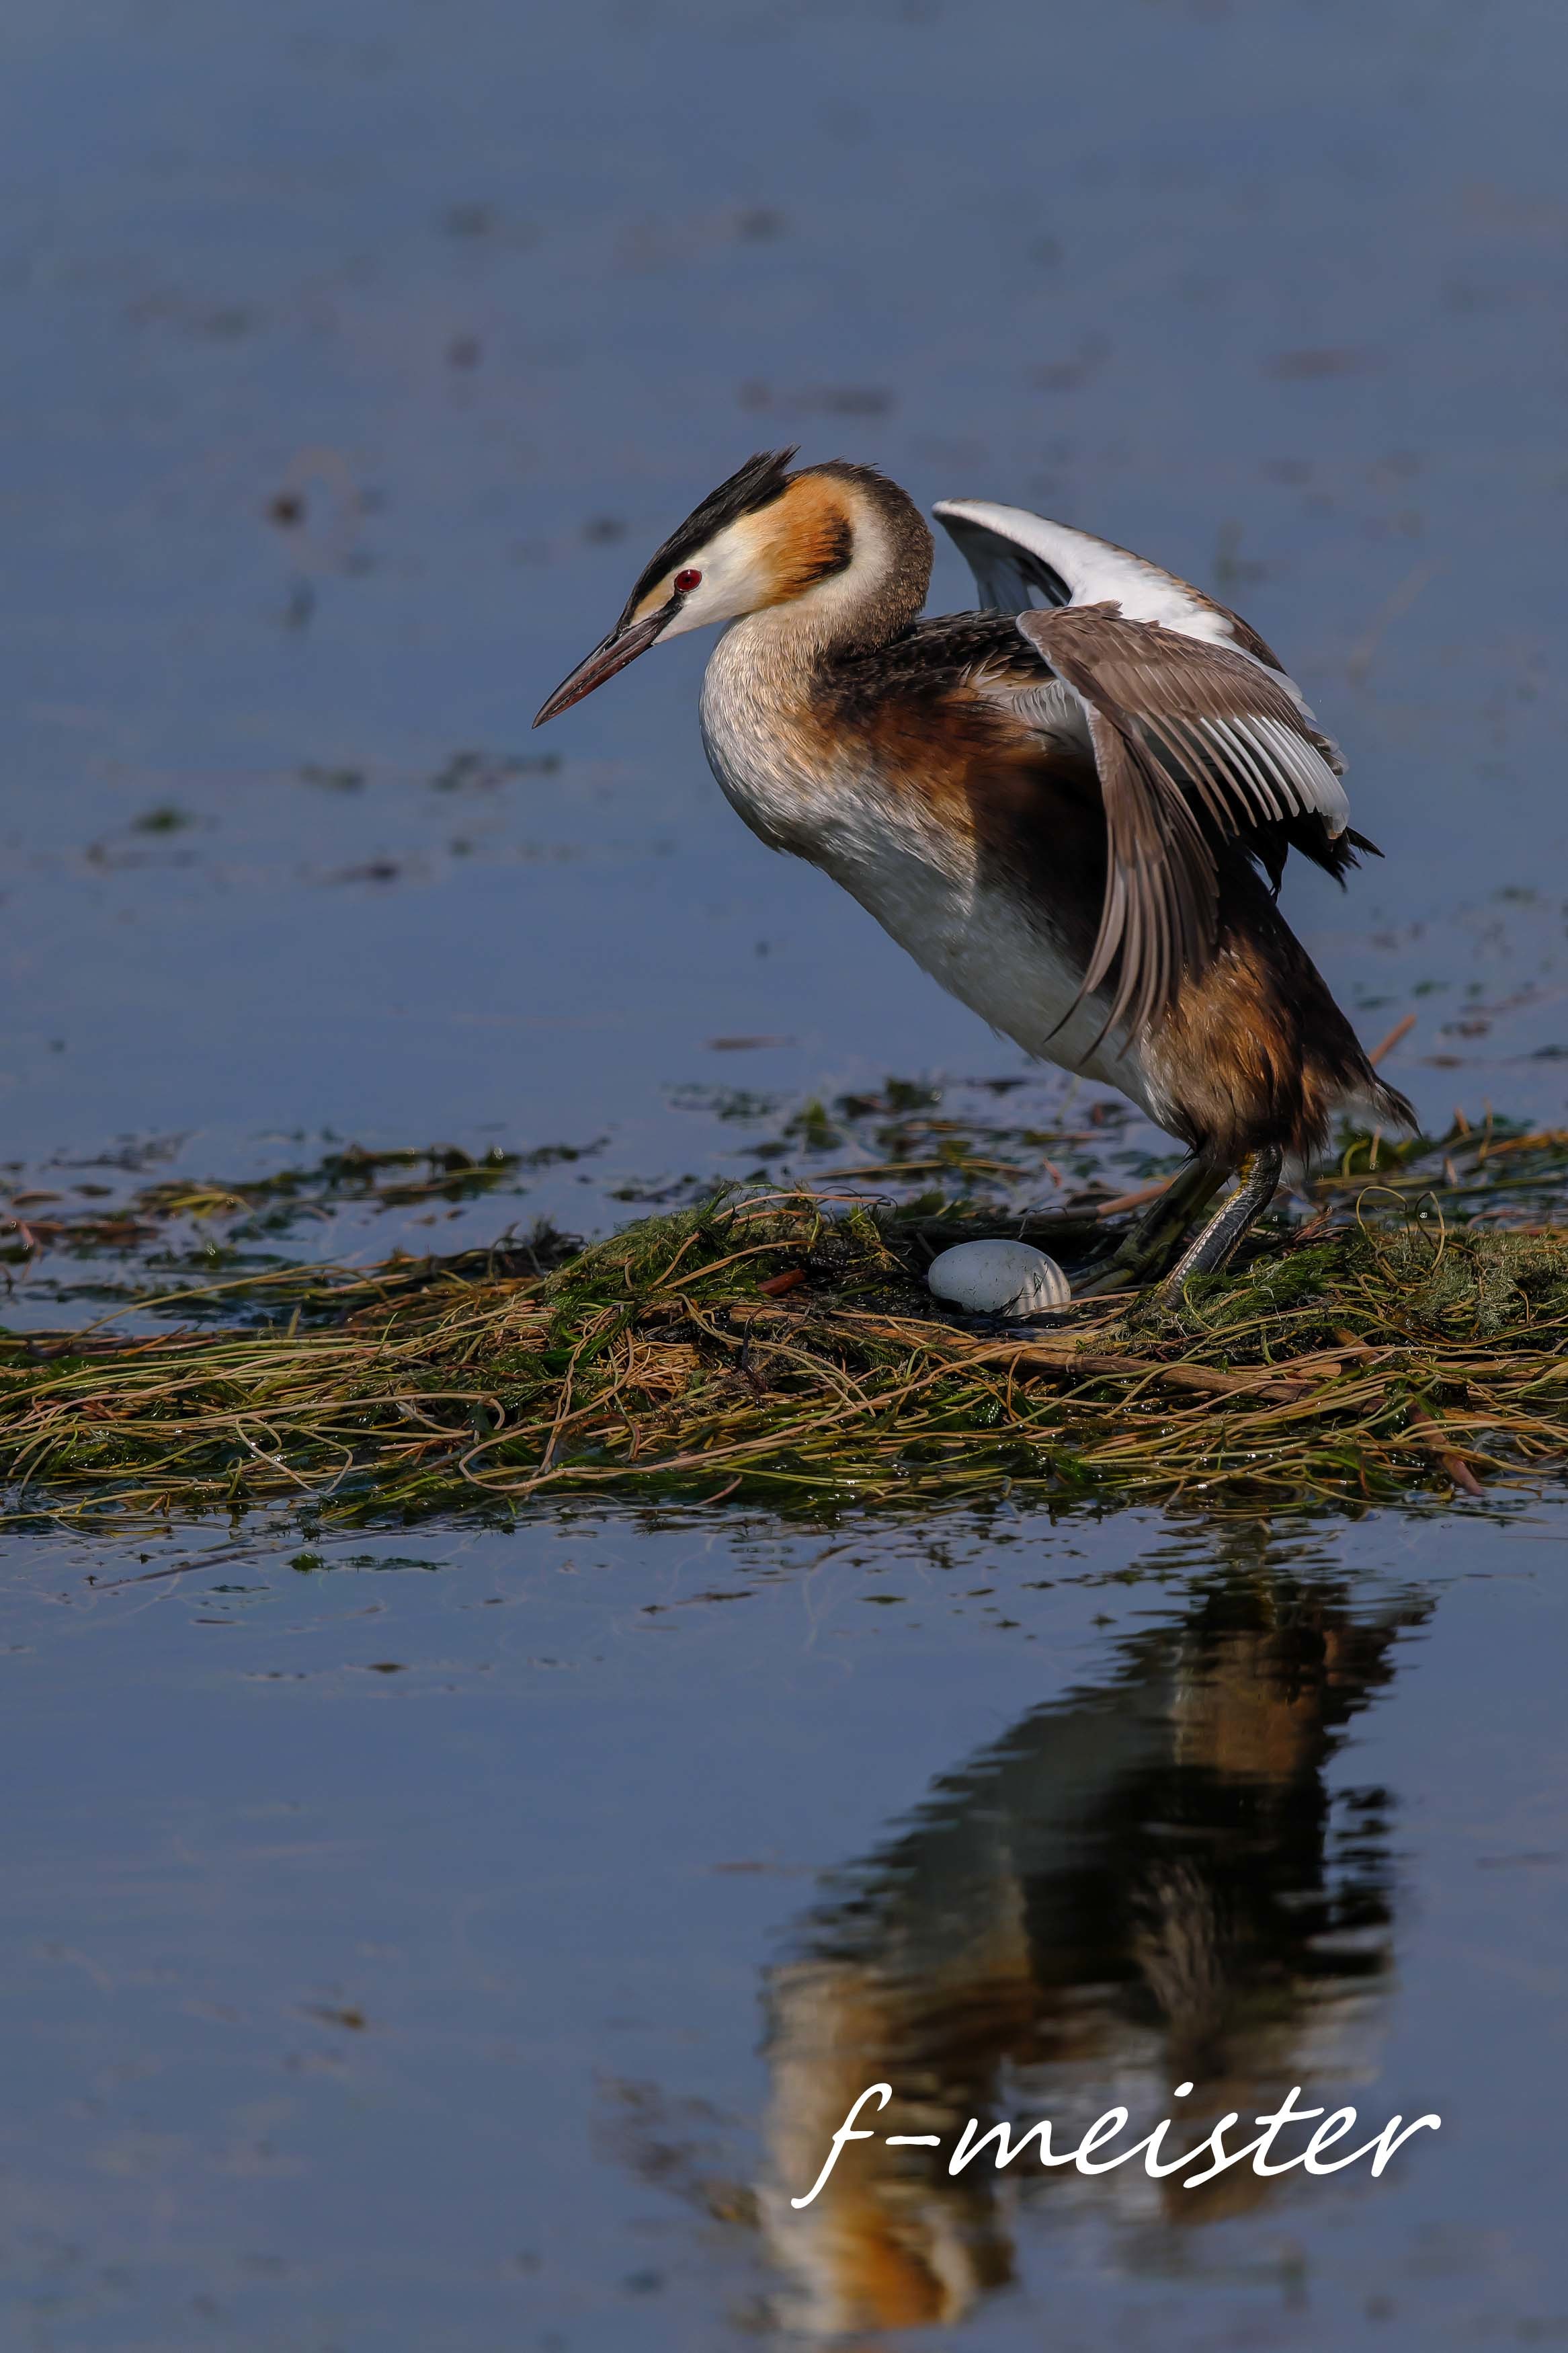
(1019,558)
(1008,549)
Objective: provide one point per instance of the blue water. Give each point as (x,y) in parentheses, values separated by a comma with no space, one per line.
(347,2006)
(356,356)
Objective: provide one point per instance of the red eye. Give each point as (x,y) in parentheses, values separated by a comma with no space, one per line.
(685,582)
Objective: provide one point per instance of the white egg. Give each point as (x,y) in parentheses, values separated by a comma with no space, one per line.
(998,1277)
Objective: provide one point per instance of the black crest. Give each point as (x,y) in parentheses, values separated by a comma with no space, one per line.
(756,484)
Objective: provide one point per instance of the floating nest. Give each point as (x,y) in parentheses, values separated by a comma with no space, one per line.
(1407,1332)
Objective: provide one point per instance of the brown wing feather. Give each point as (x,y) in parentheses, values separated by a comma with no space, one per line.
(1182,731)
(1161,890)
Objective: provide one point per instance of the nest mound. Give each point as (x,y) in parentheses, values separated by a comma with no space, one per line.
(784,1347)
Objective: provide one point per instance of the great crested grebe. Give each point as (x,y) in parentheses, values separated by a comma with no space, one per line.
(1061,814)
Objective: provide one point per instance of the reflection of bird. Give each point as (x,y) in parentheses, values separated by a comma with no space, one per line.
(1140,1885)
(1060,813)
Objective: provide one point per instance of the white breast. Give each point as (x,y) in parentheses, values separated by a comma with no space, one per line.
(763,770)
(920,879)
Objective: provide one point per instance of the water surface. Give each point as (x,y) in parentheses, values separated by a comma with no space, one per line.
(455,1938)
(476,1940)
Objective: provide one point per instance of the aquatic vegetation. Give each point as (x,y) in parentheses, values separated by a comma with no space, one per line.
(1408,1330)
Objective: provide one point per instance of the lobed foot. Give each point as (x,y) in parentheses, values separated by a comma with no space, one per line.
(1144,1250)
(1219,1240)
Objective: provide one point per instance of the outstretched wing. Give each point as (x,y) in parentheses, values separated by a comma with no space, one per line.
(1019,559)
(1193,742)
(1241,757)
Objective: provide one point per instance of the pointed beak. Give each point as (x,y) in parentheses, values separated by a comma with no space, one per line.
(625,642)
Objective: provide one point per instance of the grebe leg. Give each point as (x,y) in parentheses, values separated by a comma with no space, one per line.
(1146,1248)
(1217,1243)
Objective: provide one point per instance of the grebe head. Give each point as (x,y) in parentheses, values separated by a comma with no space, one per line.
(841,542)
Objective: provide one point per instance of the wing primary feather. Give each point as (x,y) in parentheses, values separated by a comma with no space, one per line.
(1228,751)
(1259,743)
(1222,791)
(1256,772)
(1112,927)
(1131,975)
(1217,784)
(1189,741)
(1161,903)
(1317,785)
